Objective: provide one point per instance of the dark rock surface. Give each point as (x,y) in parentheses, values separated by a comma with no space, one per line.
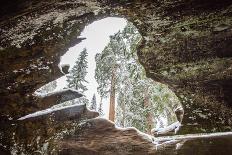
(39,131)
(186,44)
(100,136)
(65,69)
(57,97)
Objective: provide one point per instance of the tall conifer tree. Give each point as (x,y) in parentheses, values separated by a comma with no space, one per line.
(76,78)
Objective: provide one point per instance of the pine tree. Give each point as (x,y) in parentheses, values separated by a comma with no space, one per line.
(93,103)
(76,78)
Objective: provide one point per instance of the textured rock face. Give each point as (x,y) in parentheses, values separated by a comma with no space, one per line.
(39,133)
(188,47)
(186,44)
(100,136)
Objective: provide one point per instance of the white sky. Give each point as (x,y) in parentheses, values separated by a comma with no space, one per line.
(97,37)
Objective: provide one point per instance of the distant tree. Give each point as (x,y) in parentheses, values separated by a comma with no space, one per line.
(93,105)
(100,108)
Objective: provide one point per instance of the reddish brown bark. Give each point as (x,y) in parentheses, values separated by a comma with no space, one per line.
(112,96)
(123,113)
(149,119)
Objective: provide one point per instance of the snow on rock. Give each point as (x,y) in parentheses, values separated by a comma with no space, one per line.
(73,112)
(166,144)
(194,136)
(70,93)
(101,136)
(56,97)
(173,128)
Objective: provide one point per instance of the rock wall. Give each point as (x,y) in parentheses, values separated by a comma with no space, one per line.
(186,44)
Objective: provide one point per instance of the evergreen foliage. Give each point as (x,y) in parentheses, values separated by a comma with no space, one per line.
(76,78)
(93,103)
(100,108)
(141,102)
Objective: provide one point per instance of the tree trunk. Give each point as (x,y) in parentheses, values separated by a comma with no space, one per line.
(123,113)
(149,119)
(112,96)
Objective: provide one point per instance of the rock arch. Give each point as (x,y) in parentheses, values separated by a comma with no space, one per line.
(186,45)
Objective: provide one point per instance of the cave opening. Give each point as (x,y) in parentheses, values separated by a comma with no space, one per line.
(184,44)
(104,67)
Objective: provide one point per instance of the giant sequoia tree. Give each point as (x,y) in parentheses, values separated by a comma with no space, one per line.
(107,73)
(141,102)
